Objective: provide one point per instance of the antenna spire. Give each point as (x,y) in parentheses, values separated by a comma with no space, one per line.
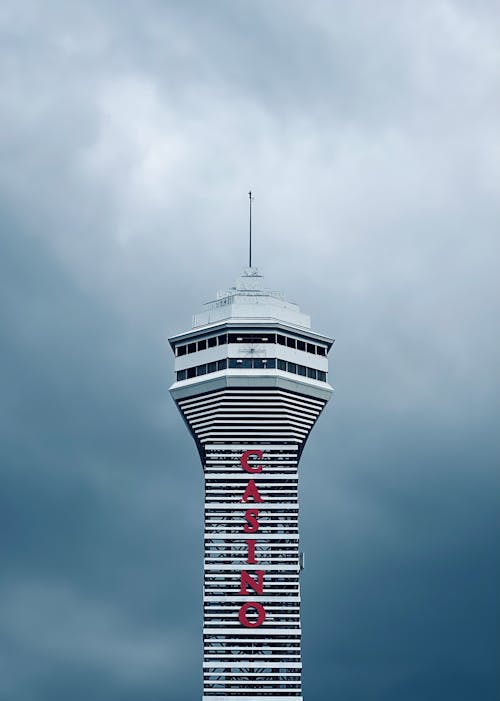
(250,198)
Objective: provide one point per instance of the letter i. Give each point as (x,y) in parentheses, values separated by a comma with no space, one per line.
(251,552)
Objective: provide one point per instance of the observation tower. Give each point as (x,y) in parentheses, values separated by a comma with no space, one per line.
(251,381)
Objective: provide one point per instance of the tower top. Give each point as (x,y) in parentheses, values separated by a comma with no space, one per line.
(249,299)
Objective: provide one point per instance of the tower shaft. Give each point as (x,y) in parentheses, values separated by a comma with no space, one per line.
(251,662)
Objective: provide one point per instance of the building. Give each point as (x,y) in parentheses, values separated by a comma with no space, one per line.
(251,380)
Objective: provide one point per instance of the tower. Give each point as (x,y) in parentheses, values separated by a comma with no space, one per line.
(251,381)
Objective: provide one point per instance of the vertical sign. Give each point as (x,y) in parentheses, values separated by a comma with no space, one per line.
(251,580)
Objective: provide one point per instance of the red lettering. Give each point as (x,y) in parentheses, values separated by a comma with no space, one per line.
(261,614)
(256,584)
(251,552)
(244,461)
(251,580)
(252,525)
(251,491)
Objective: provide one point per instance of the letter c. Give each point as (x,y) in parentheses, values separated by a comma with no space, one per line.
(244,461)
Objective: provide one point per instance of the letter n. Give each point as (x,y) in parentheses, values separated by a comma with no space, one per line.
(256,584)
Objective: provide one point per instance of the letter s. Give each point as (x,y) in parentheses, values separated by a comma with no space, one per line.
(252,525)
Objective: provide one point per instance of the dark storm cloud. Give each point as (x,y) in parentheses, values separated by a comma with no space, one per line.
(411,576)
(130,133)
(84,451)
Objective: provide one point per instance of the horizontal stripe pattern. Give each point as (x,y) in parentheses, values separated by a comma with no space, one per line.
(239,662)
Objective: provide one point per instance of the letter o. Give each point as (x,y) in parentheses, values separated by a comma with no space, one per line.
(261,614)
(244,461)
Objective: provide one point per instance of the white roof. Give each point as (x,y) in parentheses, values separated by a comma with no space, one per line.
(248,299)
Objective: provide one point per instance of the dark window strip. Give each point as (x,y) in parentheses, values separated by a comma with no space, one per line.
(241,337)
(249,364)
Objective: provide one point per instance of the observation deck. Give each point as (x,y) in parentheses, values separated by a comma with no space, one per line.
(251,336)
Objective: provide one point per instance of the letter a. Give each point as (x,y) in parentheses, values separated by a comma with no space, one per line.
(251,491)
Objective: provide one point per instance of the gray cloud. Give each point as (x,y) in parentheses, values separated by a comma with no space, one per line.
(130,133)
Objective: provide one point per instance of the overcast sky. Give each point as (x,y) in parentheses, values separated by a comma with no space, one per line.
(130,134)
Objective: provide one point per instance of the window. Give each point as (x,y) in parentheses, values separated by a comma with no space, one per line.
(301,345)
(202,345)
(222,339)
(181,350)
(290,342)
(249,363)
(245,363)
(281,340)
(320,350)
(191,347)
(234,338)
(211,342)
(311,348)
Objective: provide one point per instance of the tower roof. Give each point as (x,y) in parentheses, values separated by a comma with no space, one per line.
(248,299)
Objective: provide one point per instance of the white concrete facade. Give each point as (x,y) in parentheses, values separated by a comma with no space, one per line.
(268,410)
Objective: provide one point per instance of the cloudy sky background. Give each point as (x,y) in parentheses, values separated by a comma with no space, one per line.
(130,133)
